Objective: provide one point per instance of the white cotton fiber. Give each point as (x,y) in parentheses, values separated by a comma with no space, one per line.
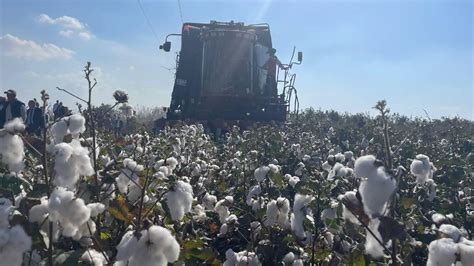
(299,214)
(11,145)
(372,246)
(13,243)
(376,186)
(209,201)
(466,253)
(422,168)
(71,162)
(129,172)
(71,213)
(179,200)
(442,252)
(77,124)
(261,173)
(94,257)
(156,246)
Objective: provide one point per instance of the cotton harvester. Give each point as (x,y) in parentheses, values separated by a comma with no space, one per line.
(221,80)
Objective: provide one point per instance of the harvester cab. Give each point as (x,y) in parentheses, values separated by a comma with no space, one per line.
(221,76)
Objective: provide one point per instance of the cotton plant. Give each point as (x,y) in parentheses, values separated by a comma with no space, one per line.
(222,208)
(73,124)
(13,239)
(292,180)
(278,213)
(376,185)
(179,199)
(450,247)
(71,162)
(70,216)
(422,168)
(300,211)
(241,258)
(129,172)
(94,257)
(291,259)
(231,224)
(153,246)
(11,145)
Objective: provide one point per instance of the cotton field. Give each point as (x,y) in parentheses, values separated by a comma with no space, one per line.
(322,188)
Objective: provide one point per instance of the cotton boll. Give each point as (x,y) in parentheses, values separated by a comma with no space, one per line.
(299,169)
(13,243)
(156,246)
(129,172)
(442,252)
(283,205)
(222,209)
(127,246)
(96,208)
(293,180)
(261,173)
(70,212)
(299,214)
(14,126)
(209,201)
(272,213)
(340,157)
(253,193)
(94,257)
(77,124)
(438,218)
(179,200)
(288,258)
(71,161)
(59,130)
(353,201)
(135,193)
(421,167)
(326,166)
(376,185)
(372,246)
(172,162)
(298,262)
(466,253)
(274,169)
(450,231)
(199,213)
(5,210)
(11,146)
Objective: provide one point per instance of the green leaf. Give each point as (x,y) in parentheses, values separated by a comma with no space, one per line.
(105,236)
(11,183)
(407,202)
(277,179)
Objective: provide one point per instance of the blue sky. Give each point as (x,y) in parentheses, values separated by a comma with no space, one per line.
(418,55)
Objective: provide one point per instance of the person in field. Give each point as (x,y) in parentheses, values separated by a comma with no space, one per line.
(34,119)
(271,67)
(12,108)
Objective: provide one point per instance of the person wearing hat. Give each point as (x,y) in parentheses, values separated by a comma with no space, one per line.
(13,108)
(270,66)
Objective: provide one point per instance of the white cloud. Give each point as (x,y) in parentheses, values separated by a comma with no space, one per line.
(131,68)
(64,21)
(85,35)
(66,33)
(70,26)
(25,49)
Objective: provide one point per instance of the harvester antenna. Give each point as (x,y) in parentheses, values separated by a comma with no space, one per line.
(180,12)
(148,21)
